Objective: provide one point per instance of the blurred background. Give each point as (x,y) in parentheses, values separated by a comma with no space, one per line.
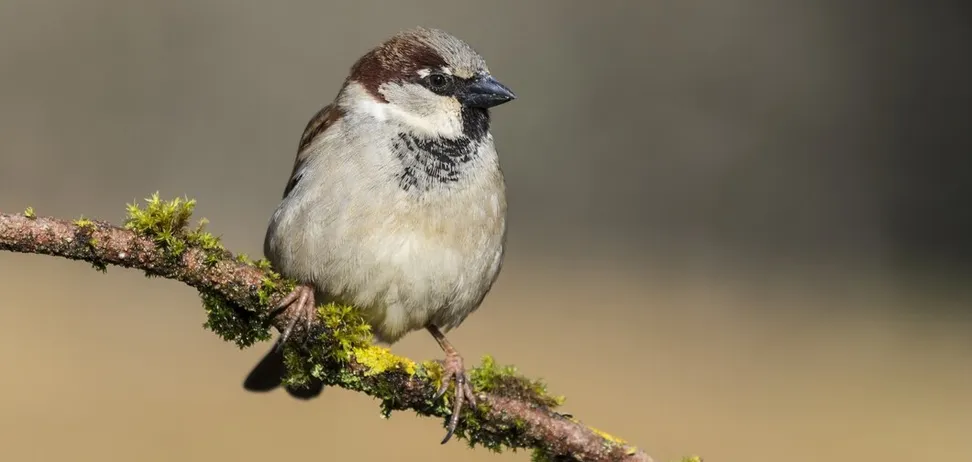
(739,228)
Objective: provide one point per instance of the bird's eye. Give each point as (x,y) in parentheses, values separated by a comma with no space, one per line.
(438,82)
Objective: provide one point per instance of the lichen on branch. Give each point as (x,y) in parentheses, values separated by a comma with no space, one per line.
(514,412)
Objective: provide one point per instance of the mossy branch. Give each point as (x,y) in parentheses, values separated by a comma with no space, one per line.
(513,412)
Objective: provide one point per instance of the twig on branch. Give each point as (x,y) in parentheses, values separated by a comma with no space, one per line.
(514,411)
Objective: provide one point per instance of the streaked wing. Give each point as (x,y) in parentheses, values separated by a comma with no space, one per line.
(315,128)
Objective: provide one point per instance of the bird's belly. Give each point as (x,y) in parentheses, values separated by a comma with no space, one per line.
(406,278)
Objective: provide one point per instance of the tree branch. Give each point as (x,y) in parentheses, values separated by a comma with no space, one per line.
(513,412)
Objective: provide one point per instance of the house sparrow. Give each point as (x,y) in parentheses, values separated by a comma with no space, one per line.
(396,203)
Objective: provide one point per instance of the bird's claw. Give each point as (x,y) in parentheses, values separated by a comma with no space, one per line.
(453,371)
(299,306)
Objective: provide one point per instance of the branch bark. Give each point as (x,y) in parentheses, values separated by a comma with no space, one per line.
(511,419)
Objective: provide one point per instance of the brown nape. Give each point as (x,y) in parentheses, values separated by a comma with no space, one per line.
(397,59)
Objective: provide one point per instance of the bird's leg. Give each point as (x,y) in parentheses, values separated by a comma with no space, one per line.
(452,370)
(298,306)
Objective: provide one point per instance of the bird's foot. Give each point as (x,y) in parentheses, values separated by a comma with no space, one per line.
(453,371)
(299,307)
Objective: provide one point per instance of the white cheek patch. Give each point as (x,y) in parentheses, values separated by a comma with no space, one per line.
(441,118)
(373,108)
(443,122)
(439,124)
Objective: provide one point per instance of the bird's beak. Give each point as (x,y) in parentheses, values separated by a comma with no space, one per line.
(485,92)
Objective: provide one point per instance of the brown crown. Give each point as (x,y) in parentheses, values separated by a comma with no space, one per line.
(398,59)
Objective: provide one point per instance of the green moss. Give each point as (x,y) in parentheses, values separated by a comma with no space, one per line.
(300,371)
(262,264)
(347,337)
(167,224)
(233,323)
(85,233)
(489,377)
(83,223)
(347,330)
(492,378)
(210,244)
(161,219)
(268,286)
(504,381)
(540,455)
(500,380)
(492,435)
(379,359)
(607,436)
(326,355)
(326,358)
(29,213)
(432,370)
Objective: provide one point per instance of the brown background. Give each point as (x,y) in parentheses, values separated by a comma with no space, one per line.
(738,227)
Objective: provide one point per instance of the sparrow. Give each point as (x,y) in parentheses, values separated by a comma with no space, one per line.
(396,203)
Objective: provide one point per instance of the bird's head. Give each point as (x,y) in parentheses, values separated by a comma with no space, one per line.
(429,81)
